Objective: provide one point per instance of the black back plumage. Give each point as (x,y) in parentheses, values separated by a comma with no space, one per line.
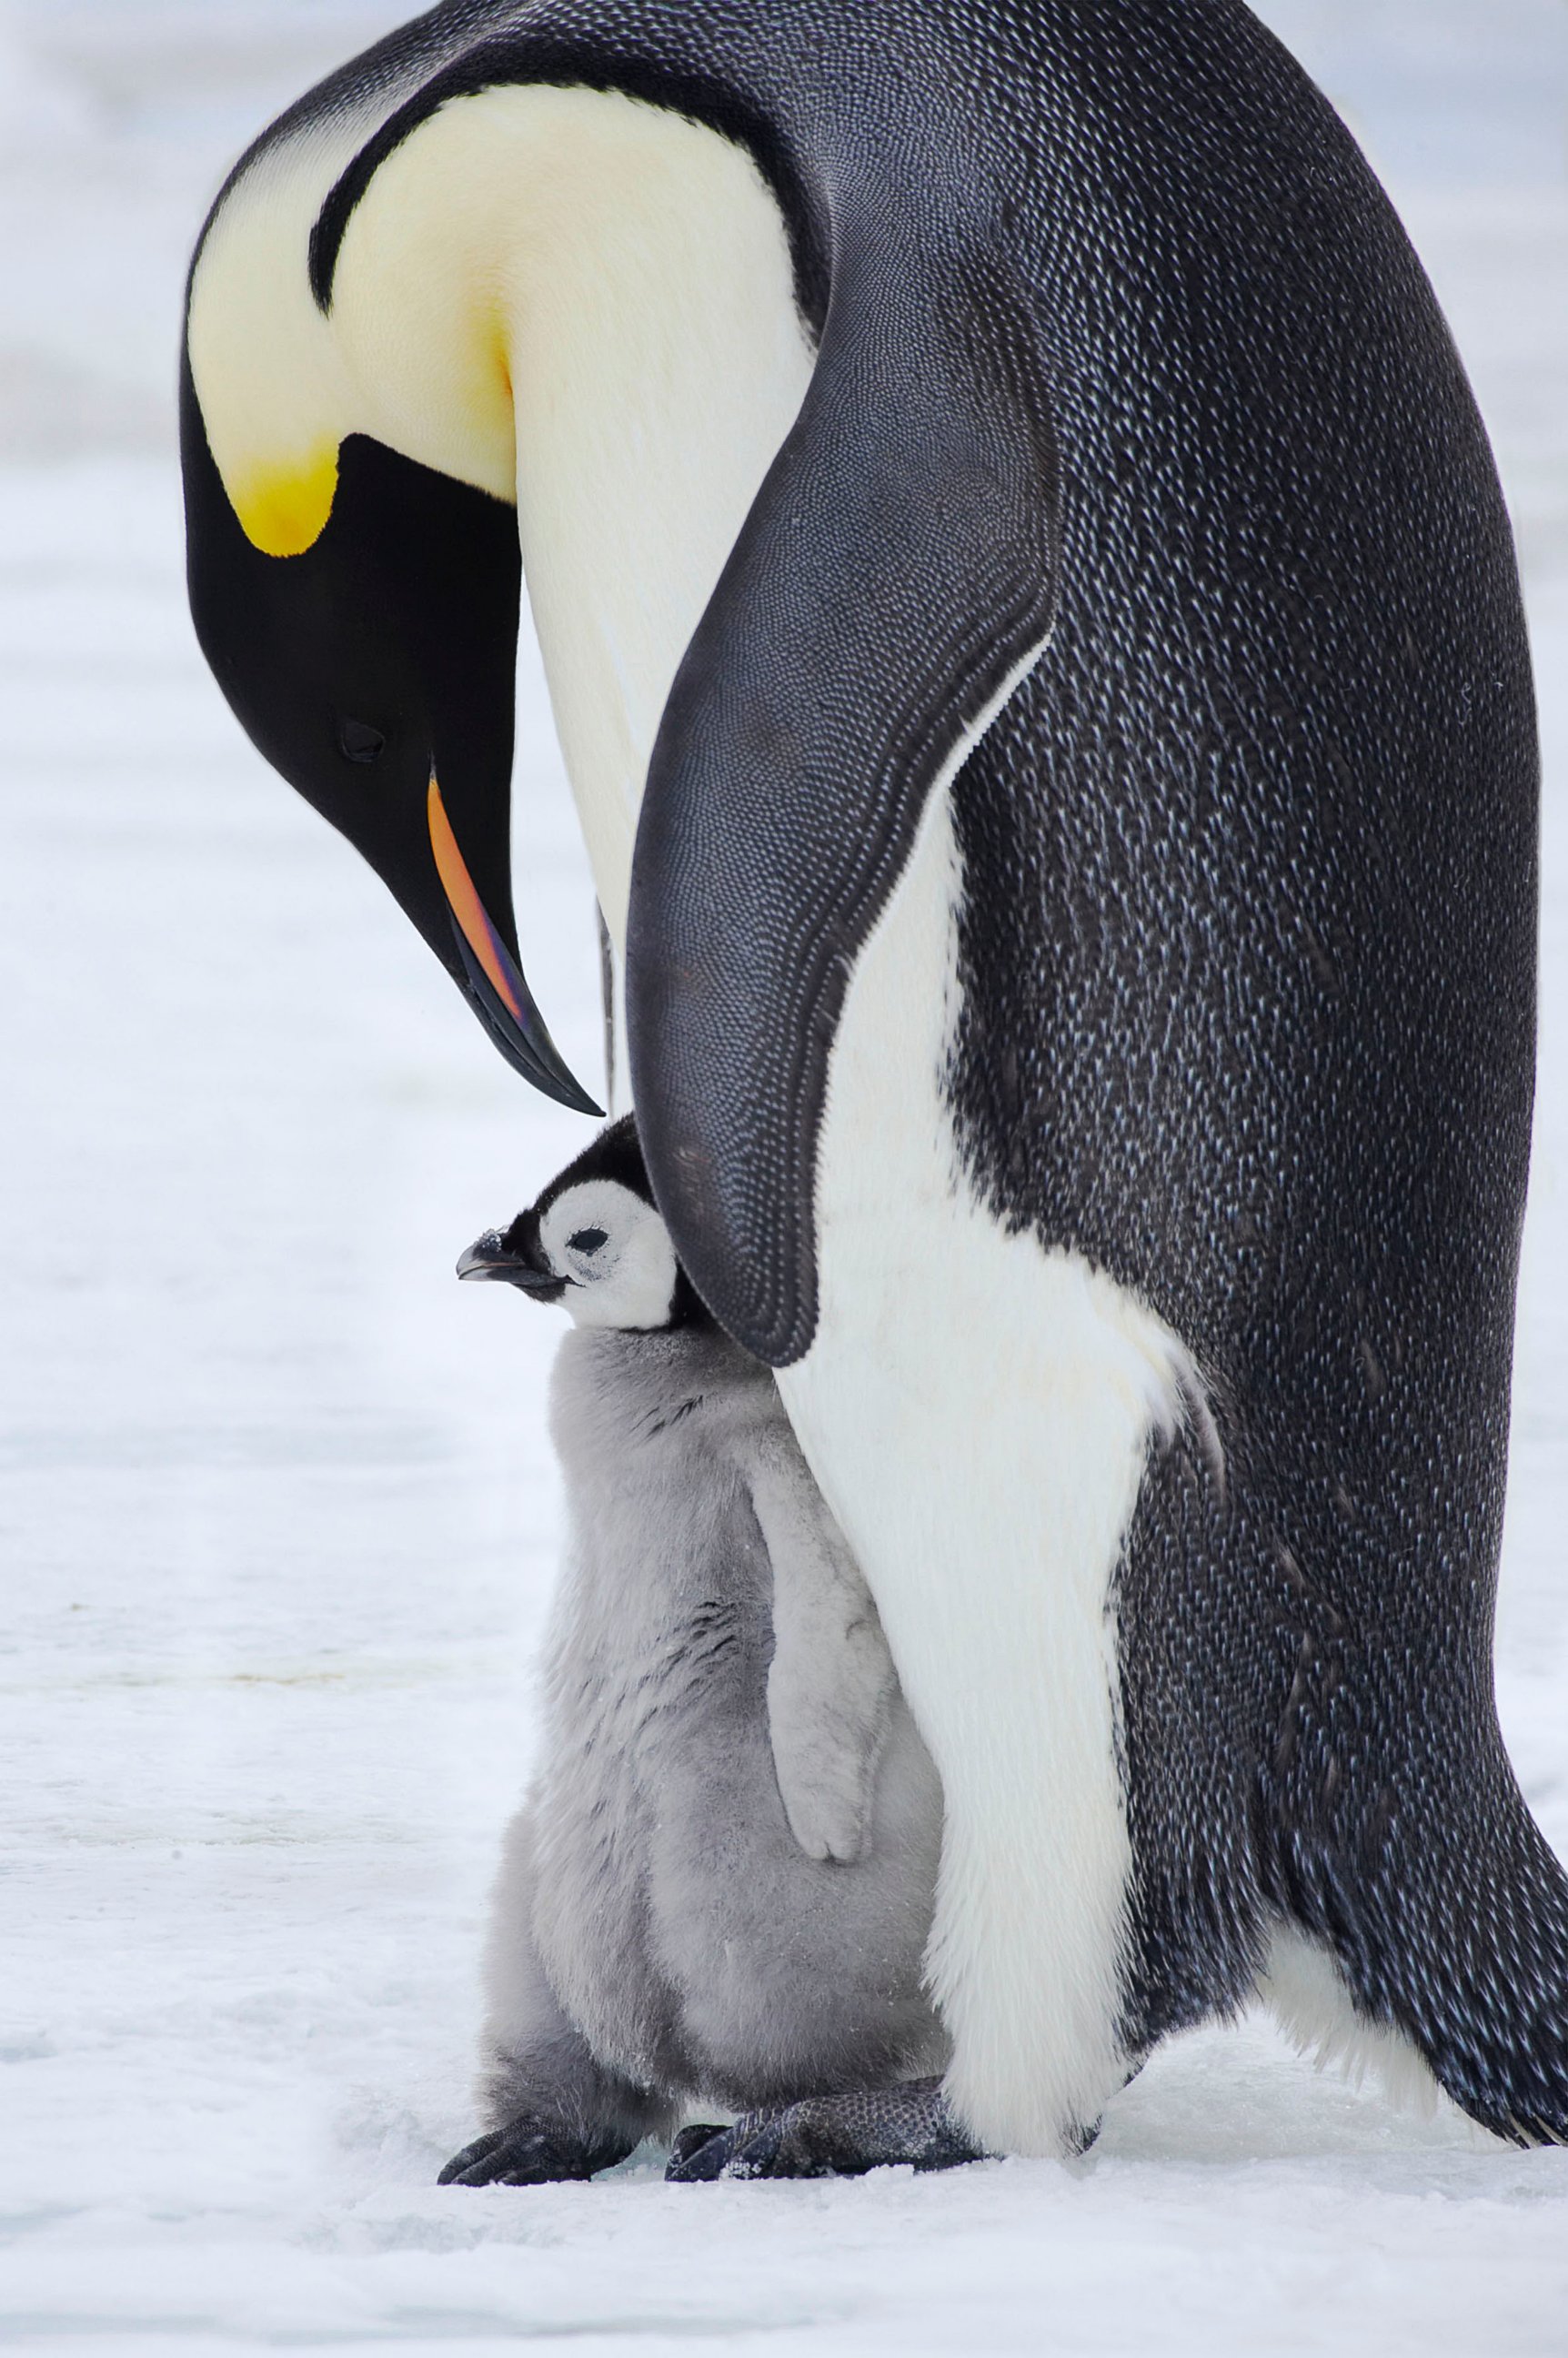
(1260,1042)
(1120,340)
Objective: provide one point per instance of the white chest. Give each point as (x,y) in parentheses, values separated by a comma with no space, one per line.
(658,361)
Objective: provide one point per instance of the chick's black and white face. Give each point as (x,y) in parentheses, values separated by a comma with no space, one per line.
(613,1253)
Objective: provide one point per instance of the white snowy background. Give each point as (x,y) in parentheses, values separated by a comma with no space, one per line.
(279,1515)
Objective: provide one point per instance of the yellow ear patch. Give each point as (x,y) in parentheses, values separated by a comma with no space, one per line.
(283,510)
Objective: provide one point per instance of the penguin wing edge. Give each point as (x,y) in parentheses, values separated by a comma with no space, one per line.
(894,581)
(831,1682)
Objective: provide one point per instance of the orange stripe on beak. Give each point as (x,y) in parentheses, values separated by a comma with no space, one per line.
(469,909)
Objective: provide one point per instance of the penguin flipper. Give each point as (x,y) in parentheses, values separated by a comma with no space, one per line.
(894,581)
(831,1682)
(830,2137)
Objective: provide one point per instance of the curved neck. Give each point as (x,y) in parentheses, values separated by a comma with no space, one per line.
(585,303)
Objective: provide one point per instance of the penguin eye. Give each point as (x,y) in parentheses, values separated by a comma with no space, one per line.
(586,1240)
(358,741)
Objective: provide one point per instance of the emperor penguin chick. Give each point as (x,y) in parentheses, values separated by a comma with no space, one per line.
(720,1886)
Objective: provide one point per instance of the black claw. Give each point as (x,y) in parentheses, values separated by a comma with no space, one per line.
(689,2143)
(697,2157)
(460,2169)
(761,2154)
(522,2155)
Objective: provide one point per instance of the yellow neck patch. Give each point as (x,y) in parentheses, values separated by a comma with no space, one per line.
(284,510)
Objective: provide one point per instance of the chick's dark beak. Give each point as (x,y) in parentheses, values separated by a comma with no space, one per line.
(492,1259)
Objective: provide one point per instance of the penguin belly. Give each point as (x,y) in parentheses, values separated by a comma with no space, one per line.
(687,1935)
(793,1976)
(979,1412)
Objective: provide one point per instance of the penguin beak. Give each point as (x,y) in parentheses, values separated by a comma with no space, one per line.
(399,623)
(492,1260)
(497,990)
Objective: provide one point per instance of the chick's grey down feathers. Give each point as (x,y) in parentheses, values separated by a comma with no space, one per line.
(721,1883)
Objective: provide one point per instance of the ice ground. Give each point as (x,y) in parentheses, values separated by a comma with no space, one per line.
(277,1511)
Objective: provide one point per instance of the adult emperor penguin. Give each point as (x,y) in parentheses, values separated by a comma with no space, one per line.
(1035,638)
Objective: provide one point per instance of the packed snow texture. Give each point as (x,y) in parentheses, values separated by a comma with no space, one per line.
(280,1514)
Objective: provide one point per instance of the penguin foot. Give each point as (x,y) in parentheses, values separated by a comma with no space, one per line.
(527,2154)
(828,2137)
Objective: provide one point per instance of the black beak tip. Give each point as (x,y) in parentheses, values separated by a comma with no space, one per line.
(485,1257)
(490,1260)
(531,1052)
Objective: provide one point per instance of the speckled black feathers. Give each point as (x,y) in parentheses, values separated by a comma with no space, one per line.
(1260,1039)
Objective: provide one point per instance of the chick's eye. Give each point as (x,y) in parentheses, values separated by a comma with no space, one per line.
(358,741)
(586,1240)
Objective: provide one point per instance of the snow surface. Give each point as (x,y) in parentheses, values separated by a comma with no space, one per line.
(280,1511)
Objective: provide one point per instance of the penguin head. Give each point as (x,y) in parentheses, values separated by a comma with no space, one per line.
(374,670)
(594,1242)
(355,576)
